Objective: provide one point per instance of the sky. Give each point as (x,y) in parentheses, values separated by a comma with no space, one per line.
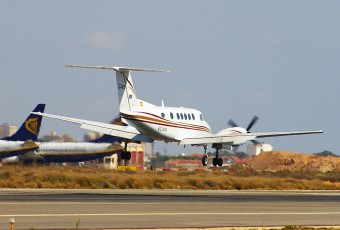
(278,60)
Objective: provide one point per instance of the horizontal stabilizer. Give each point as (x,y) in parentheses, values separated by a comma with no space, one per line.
(118,69)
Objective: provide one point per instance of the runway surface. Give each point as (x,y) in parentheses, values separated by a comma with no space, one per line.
(61,209)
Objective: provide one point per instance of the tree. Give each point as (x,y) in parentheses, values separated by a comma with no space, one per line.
(326,153)
(241,155)
(158,160)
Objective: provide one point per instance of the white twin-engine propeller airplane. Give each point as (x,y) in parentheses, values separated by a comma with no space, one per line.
(148,122)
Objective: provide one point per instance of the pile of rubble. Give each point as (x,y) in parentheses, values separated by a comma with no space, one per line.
(277,160)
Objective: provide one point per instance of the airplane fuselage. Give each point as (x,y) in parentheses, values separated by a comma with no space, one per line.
(14,148)
(183,125)
(75,152)
(167,123)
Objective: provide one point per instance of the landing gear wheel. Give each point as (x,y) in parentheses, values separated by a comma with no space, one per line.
(128,156)
(215,161)
(123,155)
(220,162)
(205,160)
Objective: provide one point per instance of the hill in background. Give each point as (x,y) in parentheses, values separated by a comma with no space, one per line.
(277,160)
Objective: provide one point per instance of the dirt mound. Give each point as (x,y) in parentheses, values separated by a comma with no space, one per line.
(276,160)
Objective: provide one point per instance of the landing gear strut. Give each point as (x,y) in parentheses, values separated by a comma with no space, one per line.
(217,160)
(125,155)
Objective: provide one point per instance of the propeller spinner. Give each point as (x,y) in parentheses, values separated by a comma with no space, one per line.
(253,121)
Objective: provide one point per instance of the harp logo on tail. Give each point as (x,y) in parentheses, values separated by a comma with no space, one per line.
(32,125)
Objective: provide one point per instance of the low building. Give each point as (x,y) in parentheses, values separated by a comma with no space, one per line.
(111,162)
(254,150)
(137,158)
(7,130)
(137,155)
(54,137)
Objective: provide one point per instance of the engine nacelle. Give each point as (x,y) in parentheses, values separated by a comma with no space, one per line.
(233,130)
(237,131)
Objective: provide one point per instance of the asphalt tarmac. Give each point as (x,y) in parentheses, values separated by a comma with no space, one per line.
(122,209)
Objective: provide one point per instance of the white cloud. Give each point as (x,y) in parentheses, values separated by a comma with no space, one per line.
(106,40)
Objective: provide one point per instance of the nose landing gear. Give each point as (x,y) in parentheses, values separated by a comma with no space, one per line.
(205,157)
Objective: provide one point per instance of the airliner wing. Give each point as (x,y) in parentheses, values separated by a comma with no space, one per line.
(126,132)
(237,139)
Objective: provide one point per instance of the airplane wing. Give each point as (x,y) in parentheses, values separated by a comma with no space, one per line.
(238,139)
(231,139)
(126,132)
(277,134)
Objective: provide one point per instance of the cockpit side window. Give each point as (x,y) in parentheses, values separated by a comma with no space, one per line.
(201,116)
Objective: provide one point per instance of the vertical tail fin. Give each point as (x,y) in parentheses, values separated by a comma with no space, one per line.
(126,92)
(29,130)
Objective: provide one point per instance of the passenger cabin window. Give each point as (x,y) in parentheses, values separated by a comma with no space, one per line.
(185,116)
(163,115)
(181,116)
(172,116)
(189,116)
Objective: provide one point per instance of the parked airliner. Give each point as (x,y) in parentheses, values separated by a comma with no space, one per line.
(148,122)
(23,141)
(24,145)
(61,152)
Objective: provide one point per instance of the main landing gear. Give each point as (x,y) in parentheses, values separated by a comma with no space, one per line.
(125,155)
(216,160)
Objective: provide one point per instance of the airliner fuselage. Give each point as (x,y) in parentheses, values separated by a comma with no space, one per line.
(14,148)
(75,152)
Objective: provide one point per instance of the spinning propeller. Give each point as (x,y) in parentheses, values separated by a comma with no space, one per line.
(232,123)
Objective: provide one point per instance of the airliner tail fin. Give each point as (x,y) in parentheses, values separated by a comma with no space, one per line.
(29,130)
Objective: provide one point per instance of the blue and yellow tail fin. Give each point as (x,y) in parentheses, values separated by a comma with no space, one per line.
(29,130)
